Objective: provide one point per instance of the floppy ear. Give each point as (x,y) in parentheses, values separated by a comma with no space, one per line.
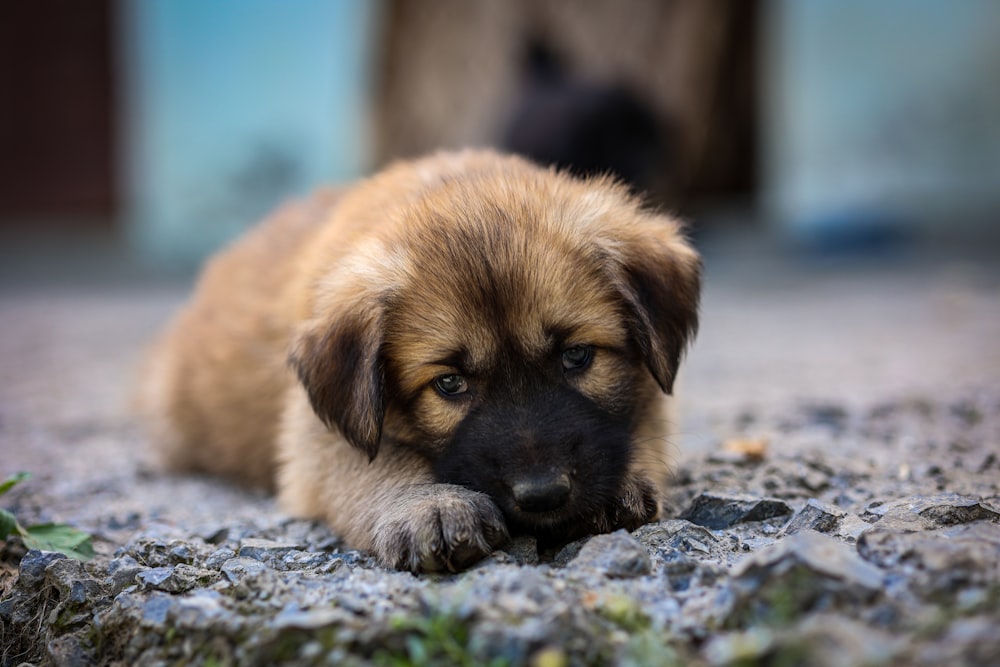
(661,286)
(339,363)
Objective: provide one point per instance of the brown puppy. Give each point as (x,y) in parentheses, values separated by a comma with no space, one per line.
(458,347)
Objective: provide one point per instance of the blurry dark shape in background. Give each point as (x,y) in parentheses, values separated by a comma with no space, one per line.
(587,127)
(58,138)
(453,74)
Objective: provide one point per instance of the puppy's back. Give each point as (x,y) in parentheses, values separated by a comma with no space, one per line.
(212,387)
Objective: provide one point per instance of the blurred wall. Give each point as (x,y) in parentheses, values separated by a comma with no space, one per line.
(232,106)
(882,113)
(453,72)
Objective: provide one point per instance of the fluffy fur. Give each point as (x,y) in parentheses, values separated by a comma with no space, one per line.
(457,348)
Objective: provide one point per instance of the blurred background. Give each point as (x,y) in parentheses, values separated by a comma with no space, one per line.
(152,131)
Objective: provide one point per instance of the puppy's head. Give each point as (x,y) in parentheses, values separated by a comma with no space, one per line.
(511,323)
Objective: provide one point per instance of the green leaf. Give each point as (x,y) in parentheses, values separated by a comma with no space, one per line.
(13,481)
(8,524)
(59,537)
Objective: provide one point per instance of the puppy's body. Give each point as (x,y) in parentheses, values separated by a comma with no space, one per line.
(456,347)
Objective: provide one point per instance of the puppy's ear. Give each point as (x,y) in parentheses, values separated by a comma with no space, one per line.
(661,284)
(338,362)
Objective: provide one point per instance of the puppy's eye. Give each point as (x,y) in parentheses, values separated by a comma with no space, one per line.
(577,357)
(451,385)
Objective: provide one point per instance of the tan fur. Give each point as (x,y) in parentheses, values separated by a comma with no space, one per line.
(221,395)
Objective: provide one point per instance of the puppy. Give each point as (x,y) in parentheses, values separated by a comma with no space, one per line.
(458,348)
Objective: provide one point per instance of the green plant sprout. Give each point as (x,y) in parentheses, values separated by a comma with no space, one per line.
(44,536)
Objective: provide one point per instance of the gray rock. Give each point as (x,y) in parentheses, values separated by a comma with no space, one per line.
(926,512)
(816,516)
(176,579)
(154,577)
(218,558)
(680,570)
(617,555)
(681,535)
(305,560)
(717,511)
(939,564)
(966,641)
(71,579)
(32,569)
(804,572)
(819,640)
(851,528)
(237,569)
(270,552)
(68,651)
(158,552)
(201,610)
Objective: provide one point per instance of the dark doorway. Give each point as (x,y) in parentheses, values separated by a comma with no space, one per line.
(57,118)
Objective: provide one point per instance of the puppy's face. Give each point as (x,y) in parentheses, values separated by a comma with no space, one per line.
(514,327)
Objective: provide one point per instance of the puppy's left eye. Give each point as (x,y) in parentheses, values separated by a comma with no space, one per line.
(577,357)
(451,385)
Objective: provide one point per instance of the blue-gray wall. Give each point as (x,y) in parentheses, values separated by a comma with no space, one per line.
(232,106)
(883,110)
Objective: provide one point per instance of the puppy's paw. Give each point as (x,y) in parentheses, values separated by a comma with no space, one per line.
(636,504)
(438,527)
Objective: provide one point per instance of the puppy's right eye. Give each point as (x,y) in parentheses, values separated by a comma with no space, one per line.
(451,385)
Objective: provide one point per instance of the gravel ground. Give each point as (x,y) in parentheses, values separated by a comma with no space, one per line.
(836,501)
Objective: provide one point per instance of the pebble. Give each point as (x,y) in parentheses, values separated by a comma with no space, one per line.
(715,510)
(816,516)
(236,569)
(616,555)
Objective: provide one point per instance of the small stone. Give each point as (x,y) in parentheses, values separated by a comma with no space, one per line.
(237,569)
(799,574)
(568,552)
(155,608)
(266,551)
(217,558)
(851,528)
(304,560)
(69,576)
(154,577)
(719,511)
(311,619)
(32,572)
(68,650)
(820,554)
(618,555)
(176,579)
(181,553)
(928,512)
(680,570)
(967,641)
(199,610)
(815,516)
(121,573)
(941,562)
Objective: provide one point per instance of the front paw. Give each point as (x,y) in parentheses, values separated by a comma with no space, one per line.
(636,504)
(438,527)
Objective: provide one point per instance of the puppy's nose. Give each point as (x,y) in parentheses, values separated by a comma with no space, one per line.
(540,493)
